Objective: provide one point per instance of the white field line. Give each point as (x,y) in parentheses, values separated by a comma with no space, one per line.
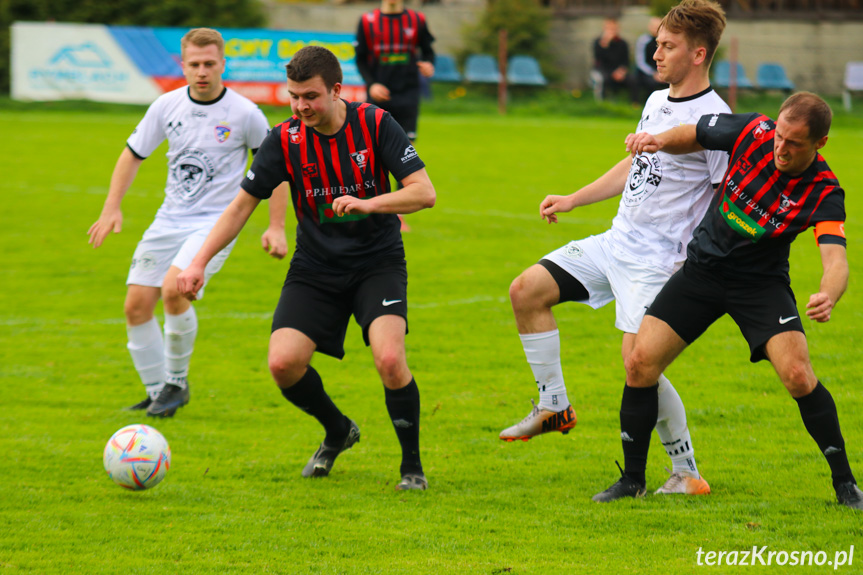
(25,321)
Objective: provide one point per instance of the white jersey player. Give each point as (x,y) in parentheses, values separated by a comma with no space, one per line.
(663,197)
(210,130)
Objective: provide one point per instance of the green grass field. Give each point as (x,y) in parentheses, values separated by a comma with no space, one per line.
(234,501)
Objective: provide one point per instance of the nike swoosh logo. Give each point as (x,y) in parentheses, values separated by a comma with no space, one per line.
(784,320)
(387,303)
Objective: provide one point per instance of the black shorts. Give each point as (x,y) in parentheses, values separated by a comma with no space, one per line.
(695,298)
(405,111)
(321,304)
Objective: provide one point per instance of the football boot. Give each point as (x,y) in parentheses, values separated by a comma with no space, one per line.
(170,399)
(681,483)
(539,421)
(322,461)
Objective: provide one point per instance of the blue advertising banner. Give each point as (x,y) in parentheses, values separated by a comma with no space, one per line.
(148,59)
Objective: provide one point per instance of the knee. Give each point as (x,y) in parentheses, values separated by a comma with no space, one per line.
(286,369)
(173,301)
(799,379)
(638,369)
(516,292)
(522,295)
(392,368)
(136,311)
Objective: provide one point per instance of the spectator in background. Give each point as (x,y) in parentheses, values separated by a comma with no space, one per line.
(646,76)
(611,63)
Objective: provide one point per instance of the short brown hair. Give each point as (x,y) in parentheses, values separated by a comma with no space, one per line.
(701,21)
(202,37)
(312,61)
(809,108)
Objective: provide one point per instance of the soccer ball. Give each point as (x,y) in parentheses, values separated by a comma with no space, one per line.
(137,457)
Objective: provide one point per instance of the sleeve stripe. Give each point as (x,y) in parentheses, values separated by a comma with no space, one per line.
(136,154)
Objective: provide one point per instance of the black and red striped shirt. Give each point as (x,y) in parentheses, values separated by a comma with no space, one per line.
(356,161)
(388,47)
(758,211)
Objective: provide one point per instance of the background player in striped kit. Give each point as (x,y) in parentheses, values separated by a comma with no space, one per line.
(663,197)
(349,257)
(777,185)
(393,48)
(210,130)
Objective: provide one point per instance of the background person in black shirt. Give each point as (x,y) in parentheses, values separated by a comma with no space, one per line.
(776,186)
(646,74)
(349,258)
(611,63)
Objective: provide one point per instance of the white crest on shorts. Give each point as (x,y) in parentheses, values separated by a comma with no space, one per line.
(146,261)
(644,177)
(573,250)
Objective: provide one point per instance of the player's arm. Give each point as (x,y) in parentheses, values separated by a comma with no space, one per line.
(834,281)
(111,218)
(274,241)
(228,227)
(677,140)
(608,185)
(427,56)
(417,194)
(377,91)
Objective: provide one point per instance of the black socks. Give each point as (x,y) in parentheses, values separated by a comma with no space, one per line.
(639,410)
(818,411)
(308,394)
(403,406)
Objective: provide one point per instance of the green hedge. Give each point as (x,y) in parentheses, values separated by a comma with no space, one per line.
(191,13)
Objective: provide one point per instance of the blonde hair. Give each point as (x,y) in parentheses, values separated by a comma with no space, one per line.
(701,21)
(202,37)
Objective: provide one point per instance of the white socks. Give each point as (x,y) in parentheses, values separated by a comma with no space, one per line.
(673,431)
(158,360)
(148,354)
(543,355)
(180,333)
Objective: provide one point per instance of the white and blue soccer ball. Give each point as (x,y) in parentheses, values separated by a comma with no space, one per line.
(137,457)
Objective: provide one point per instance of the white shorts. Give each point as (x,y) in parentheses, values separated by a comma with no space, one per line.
(609,277)
(165,245)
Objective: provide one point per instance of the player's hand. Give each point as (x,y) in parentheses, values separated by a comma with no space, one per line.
(107,222)
(642,143)
(426,69)
(190,281)
(552,205)
(379,92)
(351,205)
(819,307)
(274,242)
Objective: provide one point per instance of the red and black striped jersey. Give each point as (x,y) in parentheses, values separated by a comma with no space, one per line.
(356,161)
(388,47)
(758,211)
